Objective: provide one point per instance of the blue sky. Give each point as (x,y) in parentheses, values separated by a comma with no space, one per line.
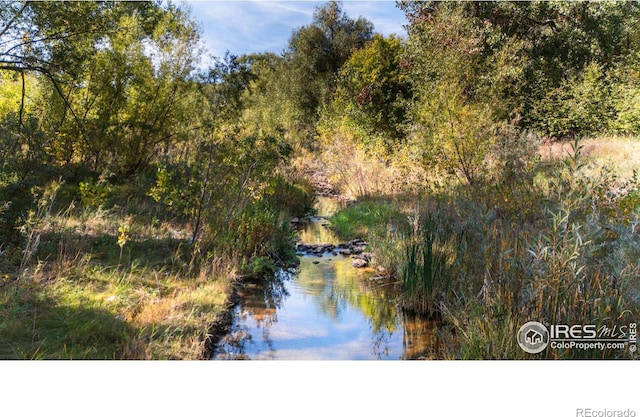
(265,26)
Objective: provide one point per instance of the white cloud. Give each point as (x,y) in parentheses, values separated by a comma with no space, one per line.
(266,26)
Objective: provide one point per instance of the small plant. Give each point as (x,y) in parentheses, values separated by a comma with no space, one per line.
(261,266)
(630,202)
(123,238)
(36,221)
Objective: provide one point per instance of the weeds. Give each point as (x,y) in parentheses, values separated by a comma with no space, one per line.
(426,270)
(35,224)
(553,272)
(564,251)
(78,297)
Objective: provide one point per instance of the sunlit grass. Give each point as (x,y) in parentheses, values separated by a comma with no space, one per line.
(80,299)
(367,218)
(621,153)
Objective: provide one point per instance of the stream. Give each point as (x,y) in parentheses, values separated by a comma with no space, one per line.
(324,309)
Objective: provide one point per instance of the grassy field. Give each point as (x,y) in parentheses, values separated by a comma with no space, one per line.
(622,154)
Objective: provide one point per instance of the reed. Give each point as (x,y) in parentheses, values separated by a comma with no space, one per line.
(559,247)
(426,271)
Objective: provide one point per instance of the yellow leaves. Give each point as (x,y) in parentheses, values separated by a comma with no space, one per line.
(123,237)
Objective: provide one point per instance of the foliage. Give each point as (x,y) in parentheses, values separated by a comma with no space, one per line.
(373,93)
(517,56)
(627,91)
(316,54)
(115,89)
(427,267)
(94,194)
(570,268)
(581,106)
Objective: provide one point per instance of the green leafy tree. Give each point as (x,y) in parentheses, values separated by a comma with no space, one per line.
(453,119)
(374,92)
(529,49)
(113,76)
(316,54)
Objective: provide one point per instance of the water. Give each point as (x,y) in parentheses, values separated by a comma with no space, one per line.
(327,309)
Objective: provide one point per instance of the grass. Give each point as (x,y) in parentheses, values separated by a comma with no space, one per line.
(565,250)
(82,296)
(620,152)
(102,271)
(99,269)
(108,314)
(368,218)
(426,267)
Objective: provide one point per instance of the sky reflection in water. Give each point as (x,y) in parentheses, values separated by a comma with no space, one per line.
(326,310)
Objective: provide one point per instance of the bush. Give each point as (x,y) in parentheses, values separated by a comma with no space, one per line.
(579,266)
(94,194)
(583,105)
(293,199)
(628,110)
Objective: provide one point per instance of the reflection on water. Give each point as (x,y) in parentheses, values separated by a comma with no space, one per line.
(316,232)
(327,309)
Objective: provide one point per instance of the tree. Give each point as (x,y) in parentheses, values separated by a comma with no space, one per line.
(316,54)
(529,49)
(117,76)
(451,72)
(374,91)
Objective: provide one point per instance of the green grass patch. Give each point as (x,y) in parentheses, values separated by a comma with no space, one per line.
(368,218)
(90,311)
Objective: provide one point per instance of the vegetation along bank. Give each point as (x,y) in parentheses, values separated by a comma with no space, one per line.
(492,152)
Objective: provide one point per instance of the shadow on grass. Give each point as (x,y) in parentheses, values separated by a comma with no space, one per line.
(168,254)
(34,325)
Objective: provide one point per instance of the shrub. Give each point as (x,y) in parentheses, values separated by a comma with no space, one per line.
(94,194)
(579,266)
(583,105)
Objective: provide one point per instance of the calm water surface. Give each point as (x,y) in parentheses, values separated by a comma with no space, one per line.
(326,309)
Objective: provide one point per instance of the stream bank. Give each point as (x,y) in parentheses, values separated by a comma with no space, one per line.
(327,308)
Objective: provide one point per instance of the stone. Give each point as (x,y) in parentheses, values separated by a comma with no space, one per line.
(357,250)
(367,256)
(359,263)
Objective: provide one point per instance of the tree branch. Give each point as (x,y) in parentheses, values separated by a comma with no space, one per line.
(22,101)
(21,67)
